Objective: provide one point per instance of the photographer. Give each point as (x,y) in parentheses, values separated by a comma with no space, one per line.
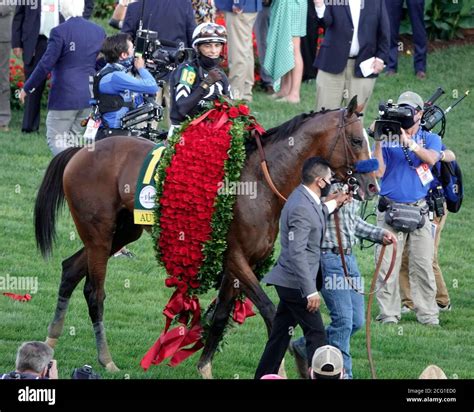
(404,169)
(440,213)
(195,83)
(117,90)
(34,360)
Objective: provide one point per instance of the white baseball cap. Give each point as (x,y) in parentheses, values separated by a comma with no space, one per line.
(327,362)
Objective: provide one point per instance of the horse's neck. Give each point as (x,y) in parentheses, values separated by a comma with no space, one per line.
(286,157)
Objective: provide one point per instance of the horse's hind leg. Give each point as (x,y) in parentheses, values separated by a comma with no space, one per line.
(74,269)
(94,292)
(220,317)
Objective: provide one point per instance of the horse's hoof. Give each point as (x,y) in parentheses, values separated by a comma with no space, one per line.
(111,367)
(282,371)
(206,371)
(51,342)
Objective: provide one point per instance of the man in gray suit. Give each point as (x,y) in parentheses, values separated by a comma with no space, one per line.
(302,225)
(6,17)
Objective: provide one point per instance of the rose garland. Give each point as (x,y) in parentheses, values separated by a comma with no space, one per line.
(192,220)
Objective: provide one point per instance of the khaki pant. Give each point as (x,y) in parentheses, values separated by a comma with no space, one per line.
(419,245)
(240,53)
(336,90)
(163,95)
(442,295)
(5,113)
(63,129)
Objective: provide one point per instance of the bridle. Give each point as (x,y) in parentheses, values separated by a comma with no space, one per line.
(347,152)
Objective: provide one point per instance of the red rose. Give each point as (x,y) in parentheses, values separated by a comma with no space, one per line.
(244,110)
(234,112)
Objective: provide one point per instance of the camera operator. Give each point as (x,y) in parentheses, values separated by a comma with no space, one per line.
(195,83)
(117,90)
(34,360)
(404,169)
(439,212)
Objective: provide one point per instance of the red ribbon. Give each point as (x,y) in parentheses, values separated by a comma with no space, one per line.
(14,296)
(172,343)
(243,310)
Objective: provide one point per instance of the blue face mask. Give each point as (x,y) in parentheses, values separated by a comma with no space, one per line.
(127,63)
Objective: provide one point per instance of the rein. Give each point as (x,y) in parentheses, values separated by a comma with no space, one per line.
(372,292)
(263,161)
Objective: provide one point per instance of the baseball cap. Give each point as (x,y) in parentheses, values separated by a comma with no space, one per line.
(411,99)
(327,362)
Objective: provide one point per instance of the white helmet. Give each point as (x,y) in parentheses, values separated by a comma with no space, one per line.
(209,33)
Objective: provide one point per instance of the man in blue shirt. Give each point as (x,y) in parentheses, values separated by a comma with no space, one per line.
(404,167)
(117,88)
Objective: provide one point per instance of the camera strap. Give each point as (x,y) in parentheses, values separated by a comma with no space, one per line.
(407,156)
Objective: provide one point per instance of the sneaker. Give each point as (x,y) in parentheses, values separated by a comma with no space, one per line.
(405,310)
(300,359)
(387,320)
(124,252)
(444,308)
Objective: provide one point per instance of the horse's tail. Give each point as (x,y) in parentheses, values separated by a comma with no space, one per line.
(50,199)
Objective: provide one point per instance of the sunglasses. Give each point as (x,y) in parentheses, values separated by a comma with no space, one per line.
(213,29)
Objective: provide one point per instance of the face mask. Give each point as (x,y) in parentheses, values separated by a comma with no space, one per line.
(208,62)
(127,63)
(325,191)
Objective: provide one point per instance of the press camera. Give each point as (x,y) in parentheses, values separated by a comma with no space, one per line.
(161,56)
(392,117)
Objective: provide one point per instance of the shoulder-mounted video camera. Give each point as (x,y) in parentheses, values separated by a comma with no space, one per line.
(161,56)
(85,372)
(392,117)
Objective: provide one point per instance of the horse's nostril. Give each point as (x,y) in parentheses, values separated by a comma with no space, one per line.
(372,188)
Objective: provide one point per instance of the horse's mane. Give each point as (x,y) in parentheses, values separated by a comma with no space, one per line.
(282,131)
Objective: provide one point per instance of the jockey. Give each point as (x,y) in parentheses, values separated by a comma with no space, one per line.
(202,80)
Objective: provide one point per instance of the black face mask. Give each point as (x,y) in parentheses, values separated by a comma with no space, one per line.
(208,63)
(325,191)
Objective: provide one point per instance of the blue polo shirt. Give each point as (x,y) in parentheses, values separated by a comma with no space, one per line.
(400,181)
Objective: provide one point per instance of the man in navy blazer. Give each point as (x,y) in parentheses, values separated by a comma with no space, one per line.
(302,226)
(355,31)
(71,55)
(28,43)
(172,19)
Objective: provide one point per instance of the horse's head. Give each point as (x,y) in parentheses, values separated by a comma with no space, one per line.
(348,152)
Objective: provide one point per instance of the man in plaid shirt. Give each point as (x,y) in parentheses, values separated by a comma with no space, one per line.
(345,305)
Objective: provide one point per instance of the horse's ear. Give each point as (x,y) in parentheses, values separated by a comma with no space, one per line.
(360,108)
(352,106)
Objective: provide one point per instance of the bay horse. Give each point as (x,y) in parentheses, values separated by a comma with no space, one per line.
(99,187)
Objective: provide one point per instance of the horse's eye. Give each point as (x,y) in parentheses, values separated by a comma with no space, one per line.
(357,142)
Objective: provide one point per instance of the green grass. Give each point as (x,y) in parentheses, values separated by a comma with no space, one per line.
(133,315)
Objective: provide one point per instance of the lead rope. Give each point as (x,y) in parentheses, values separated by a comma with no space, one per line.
(368,336)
